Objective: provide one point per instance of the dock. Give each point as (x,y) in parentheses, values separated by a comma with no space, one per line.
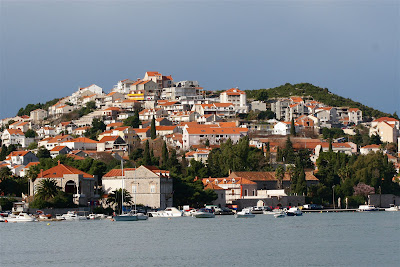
(334,210)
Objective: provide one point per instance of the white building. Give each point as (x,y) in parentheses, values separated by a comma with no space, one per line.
(237,97)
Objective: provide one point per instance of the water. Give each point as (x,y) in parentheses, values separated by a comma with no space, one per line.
(317,239)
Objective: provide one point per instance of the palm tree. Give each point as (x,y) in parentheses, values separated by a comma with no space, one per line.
(115,198)
(279,173)
(47,189)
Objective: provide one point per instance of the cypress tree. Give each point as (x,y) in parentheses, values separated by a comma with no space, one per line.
(146,154)
(153,133)
(292,128)
(164,155)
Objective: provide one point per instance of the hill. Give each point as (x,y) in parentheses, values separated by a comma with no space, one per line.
(323,95)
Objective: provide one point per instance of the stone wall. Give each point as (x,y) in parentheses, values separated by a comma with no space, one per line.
(384,200)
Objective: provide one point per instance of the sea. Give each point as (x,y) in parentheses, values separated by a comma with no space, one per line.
(314,239)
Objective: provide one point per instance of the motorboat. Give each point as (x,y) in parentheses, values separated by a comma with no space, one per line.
(273,212)
(60,217)
(125,217)
(279,214)
(244,213)
(21,217)
(367,208)
(73,216)
(223,211)
(294,211)
(189,212)
(168,212)
(2,219)
(204,213)
(393,207)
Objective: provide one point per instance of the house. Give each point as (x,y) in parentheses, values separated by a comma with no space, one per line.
(71,180)
(144,90)
(283,127)
(215,135)
(24,171)
(387,128)
(183,90)
(50,143)
(148,114)
(235,187)
(66,127)
(110,113)
(147,185)
(346,148)
(81,130)
(59,150)
(237,97)
(123,87)
(281,107)
(21,125)
(161,80)
(209,118)
(21,158)
(112,143)
(112,97)
(80,143)
(219,109)
(355,115)
(143,133)
(45,132)
(327,116)
(63,109)
(370,148)
(166,130)
(125,132)
(15,137)
(184,116)
(174,140)
(200,154)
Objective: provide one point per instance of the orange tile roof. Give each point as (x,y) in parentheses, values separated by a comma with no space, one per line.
(15,131)
(335,145)
(60,170)
(31,164)
(384,119)
(75,157)
(18,153)
(153,73)
(108,139)
(353,109)
(58,148)
(82,140)
(371,146)
(213,186)
(165,128)
(296,99)
(234,91)
(115,124)
(197,131)
(141,130)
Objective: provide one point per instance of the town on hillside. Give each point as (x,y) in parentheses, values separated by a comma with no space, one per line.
(173,143)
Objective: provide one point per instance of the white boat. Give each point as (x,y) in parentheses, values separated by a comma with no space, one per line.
(126,217)
(204,213)
(73,216)
(392,207)
(273,212)
(141,216)
(168,212)
(279,214)
(244,213)
(367,208)
(22,217)
(294,211)
(2,219)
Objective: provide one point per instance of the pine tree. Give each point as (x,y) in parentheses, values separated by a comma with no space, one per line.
(164,155)
(153,133)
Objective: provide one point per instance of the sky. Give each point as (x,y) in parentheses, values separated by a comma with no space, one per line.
(48,49)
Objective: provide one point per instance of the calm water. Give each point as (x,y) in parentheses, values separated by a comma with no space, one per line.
(327,239)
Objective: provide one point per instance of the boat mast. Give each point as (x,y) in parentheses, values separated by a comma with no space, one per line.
(122,189)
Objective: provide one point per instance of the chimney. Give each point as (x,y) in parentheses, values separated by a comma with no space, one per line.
(58,162)
(41,173)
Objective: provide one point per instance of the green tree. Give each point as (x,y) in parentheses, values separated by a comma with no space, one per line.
(115,198)
(375,140)
(164,155)
(30,133)
(279,174)
(146,154)
(153,133)
(292,128)
(47,189)
(43,153)
(133,121)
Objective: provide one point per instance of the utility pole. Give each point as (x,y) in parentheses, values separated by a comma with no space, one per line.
(333,191)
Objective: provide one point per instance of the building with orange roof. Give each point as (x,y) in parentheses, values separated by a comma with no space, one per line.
(237,97)
(127,133)
(208,118)
(21,125)
(50,143)
(200,154)
(21,158)
(370,148)
(123,86)
(112,143)
(327,116)
(215,135)
(24,171)
(347,148)
(59,150)
(71,180)
(387,128)
(15,137)
(151,186)
(148,114)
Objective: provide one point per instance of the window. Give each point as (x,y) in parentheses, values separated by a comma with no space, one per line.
(134,189)
(152,188)
(245,193)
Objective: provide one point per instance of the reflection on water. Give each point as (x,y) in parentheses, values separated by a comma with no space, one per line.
(326,239)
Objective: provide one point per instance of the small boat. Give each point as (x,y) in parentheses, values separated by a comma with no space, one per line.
(2,219)
(141,216)
(392,207)
(280,214)
(294,211)
(60,217)
(223,211)
(245,213)
(273,212)
(204,213)
(168,212)
(22,217)
(367,208)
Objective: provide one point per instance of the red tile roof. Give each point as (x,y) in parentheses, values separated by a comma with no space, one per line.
(60,170)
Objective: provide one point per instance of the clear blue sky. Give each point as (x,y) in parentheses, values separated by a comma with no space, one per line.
(50,48)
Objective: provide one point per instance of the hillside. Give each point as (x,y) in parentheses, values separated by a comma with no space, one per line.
(317,93)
